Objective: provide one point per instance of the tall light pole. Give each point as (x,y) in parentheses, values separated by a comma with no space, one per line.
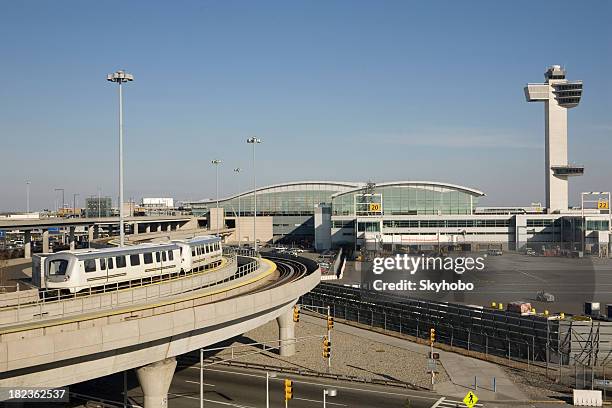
(120,77)
(253,140)
(237,170)
(74,197)
(63,202)
(217,162)
(28,196)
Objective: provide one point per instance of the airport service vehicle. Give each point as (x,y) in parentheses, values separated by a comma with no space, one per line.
(545,297)
(495,252)
(80,269)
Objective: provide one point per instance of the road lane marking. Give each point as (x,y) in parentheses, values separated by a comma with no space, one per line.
(197,382)
(319,402)
(213,401)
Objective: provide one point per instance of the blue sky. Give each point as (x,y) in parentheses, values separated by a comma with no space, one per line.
(338,90)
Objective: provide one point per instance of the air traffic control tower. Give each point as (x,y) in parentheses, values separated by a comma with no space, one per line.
(558,95)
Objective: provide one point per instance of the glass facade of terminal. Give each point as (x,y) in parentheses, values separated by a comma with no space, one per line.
(411,199)
(285,200)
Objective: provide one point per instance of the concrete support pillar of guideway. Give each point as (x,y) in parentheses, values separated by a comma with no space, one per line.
(155,382)
(90,233)
(71,239)
(45,241)
(159,227)
(286,332)
(148,228)
(27,244)
(136,232)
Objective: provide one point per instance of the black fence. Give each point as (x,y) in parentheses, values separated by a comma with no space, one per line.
(492,332)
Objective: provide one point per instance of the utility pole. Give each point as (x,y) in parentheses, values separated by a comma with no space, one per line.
(120,77)
(253,140)
(216,163)
(63,201)
(237,170)
(74,197)
(28,196)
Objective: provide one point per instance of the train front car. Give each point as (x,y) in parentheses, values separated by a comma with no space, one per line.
(61,271)
(201,253)
(83,269)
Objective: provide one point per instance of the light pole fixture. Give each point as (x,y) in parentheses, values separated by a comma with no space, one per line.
(63,202)
(268,376)
(74,197)
(253,140)
(237,170)
(332,392)
(217,162)
(119,78)
(28,196)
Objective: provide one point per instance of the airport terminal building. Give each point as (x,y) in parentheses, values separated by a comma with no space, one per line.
(403,215)
(424,214)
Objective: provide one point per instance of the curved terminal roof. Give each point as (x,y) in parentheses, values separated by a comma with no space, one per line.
(293,186)
(474,192)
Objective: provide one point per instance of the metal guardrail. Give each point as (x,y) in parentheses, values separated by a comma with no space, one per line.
(118,297)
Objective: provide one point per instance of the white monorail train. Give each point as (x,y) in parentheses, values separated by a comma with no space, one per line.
(84,268)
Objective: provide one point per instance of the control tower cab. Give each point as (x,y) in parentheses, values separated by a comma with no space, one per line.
(558,95)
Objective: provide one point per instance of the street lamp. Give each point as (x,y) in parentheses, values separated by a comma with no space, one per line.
(74,197)
(28,196)
(253,140)
(237,170)
(268,376)
(63,202)
(120,77)
(332,392)
(217,162)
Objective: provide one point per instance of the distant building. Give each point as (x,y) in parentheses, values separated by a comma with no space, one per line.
(98,207)
(162,202)
(158,206)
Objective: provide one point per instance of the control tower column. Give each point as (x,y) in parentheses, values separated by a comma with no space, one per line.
(286,330)
(155,381)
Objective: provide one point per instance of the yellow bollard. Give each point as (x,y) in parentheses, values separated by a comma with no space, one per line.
(562,315)
(533,310)
(546,313)
(493,305)
(501,306)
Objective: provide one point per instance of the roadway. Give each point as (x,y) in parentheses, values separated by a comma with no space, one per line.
(244,388)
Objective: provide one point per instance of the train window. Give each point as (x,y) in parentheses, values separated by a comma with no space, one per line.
(148,257)
(164,256)
(102,264)
(158,257)
(170,256)
(90,265)
(109,261)
(135,259)
(58,267)
(193,252)
(120,261)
